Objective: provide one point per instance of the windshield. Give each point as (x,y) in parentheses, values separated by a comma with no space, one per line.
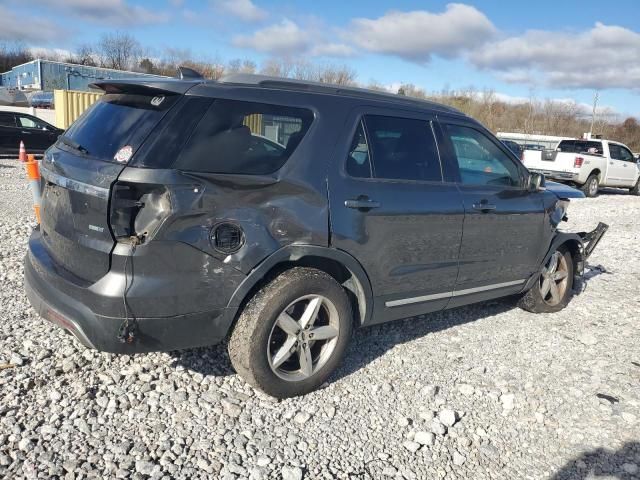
(116,123)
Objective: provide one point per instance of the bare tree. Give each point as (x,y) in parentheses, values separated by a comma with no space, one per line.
(86,55)
(119,50)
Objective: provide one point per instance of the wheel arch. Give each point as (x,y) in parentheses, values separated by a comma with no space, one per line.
(344,268)
(573,243)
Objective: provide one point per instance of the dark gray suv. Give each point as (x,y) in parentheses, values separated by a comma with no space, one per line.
(280,215)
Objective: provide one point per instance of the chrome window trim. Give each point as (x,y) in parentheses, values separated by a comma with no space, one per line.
(458,293)
(74,185)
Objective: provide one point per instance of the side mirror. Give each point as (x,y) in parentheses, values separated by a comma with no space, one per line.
(536,182)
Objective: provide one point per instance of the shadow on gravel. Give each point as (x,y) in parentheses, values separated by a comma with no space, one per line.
(590,272)
(372,342)
(205,360)
(623,464)
(614,191)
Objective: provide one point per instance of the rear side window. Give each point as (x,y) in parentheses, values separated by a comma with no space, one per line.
(402,149)
(7,120)
(358,159)
(580,146)
(244,138)
(117,121)
(480,160)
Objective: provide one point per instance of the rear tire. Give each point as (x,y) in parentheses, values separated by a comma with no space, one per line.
(554,289)
(293,333)
(590,188)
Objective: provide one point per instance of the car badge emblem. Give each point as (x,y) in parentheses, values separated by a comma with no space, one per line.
(156,101)
(124,154)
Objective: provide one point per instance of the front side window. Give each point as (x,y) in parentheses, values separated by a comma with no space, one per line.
(244,138)
(618,152)
(480,161)
(26,122)
(403,149)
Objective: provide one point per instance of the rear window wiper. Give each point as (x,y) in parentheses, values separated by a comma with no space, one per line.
(75,145)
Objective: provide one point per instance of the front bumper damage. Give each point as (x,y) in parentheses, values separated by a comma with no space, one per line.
(591,239)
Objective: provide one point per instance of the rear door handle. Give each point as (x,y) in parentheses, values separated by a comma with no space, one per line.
(484,207)
(25,132)
(361,203)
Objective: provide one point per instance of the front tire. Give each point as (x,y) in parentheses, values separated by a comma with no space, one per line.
(590,188)
(635,190)
(293,333)
(553,290)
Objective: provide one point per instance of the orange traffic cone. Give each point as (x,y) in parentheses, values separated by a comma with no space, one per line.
(22,155)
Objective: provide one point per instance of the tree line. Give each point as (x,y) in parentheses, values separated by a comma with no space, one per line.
(122,51)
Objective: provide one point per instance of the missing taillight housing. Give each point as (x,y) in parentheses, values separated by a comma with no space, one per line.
(137,210)
(577,163)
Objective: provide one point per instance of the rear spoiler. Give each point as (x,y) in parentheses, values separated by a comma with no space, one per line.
(166,86)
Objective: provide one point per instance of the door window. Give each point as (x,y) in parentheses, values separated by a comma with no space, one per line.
(7,120)
(27,122)
(480,160)
(403,149)
(618,152)
(358,160)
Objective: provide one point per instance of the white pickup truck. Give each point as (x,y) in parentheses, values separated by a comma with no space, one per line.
(589,164)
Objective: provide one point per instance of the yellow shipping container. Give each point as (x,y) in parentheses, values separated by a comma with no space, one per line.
(70,104)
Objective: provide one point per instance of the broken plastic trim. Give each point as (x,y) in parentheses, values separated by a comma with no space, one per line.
(592,238)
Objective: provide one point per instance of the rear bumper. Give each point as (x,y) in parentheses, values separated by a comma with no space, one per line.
(556,175)
(84,311)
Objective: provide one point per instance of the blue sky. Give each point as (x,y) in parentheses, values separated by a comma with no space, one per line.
(549,49)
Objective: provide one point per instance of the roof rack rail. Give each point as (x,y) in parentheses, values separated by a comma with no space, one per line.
(317,87)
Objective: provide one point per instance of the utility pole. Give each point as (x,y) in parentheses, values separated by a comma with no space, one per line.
(593,113)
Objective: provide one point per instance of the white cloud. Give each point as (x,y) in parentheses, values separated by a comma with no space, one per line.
(603,57)
(332,50)
(111,12)
(284,38)
(418,35)
(12,28)
(245,10)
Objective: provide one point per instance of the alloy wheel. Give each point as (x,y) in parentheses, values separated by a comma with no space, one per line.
(593,187)
(303,337)
(554,279)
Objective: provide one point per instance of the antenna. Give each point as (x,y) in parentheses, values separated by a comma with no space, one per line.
(593,113)
(186,73)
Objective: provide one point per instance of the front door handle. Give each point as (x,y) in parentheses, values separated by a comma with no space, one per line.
(25,132)
(362,203)
(484,207)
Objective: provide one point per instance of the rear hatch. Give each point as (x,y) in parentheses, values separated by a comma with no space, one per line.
(79,170)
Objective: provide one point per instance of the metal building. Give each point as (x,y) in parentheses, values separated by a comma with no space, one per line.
(47,75)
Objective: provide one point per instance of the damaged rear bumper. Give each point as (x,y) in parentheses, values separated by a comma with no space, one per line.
(170,311)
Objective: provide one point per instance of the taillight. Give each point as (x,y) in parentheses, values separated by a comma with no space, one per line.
(577,163)
(137,210)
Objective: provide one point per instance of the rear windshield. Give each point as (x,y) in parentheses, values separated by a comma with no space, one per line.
(244,138)
(580,146)
(115,122)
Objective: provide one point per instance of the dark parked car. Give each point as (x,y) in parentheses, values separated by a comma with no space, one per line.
(283,214)
(37,134)
(514,147)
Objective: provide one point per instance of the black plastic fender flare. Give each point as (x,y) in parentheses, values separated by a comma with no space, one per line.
(294,253)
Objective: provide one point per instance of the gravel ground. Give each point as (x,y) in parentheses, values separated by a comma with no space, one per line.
(487,391)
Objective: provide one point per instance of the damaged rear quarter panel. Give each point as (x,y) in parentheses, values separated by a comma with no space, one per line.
(271,211)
